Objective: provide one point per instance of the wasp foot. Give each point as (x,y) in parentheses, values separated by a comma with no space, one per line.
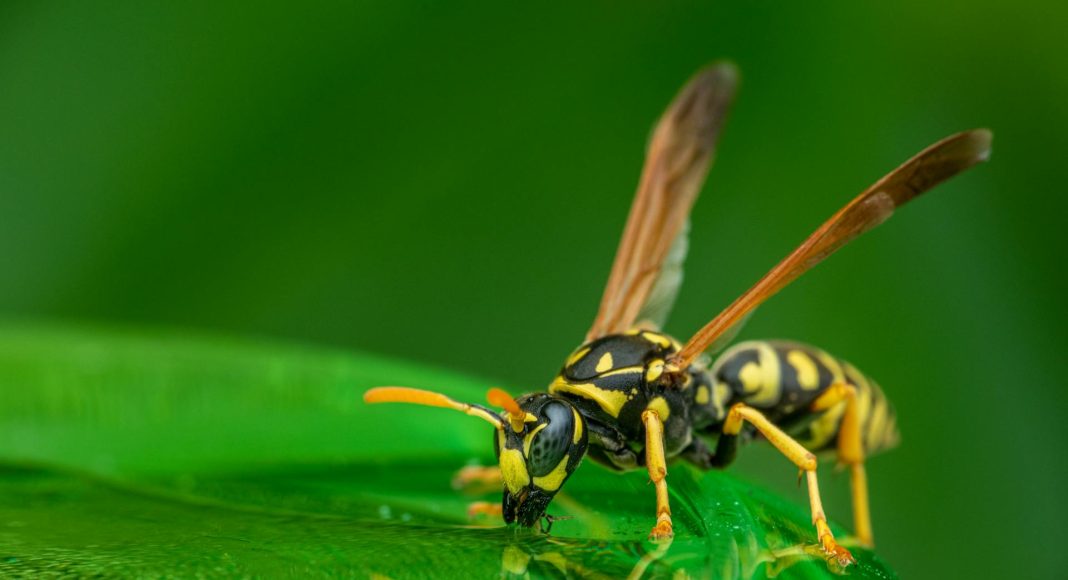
(662,531)
(831,547)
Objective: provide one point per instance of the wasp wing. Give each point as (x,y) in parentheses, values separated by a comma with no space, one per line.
(647,269)
(875,205)
(723,340)
(657,306)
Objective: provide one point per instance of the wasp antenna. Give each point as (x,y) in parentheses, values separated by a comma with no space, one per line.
(430,399)
(500,398)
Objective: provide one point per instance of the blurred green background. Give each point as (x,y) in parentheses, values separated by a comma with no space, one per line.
(447,183)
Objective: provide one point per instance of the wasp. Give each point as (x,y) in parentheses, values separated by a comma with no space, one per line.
(633,397)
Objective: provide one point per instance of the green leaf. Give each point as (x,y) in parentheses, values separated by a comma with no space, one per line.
(149,454)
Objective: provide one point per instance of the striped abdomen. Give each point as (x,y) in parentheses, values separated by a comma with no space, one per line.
(782,379)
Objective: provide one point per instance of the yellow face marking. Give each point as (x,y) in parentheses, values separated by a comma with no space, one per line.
(530,437)
(658,339)
(514,470)
(577,356)
(656,368)
(555,478)
(702,395)
(578,427)
(605,364)
(808,376)
(610,401)
(659,405)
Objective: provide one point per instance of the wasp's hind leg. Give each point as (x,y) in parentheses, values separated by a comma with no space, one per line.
(802,458)
(657,465)
(851,453)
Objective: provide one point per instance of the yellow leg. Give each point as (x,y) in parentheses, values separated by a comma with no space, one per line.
(484,508)
(851,453)
(802,458)
(858,482)
(657,465)
(477,476)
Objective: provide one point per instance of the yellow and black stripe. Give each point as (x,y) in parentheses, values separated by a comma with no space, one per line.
(614,379)
(782,379)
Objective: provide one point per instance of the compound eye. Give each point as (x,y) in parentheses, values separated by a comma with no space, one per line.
(551,443)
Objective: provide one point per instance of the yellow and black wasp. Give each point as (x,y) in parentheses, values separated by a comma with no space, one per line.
(631,396)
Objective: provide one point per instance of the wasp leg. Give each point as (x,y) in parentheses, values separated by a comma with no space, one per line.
(851,453)
(657,465)
(478,476)
(726,450)
(611,447)
(698,453)
(485,508)
(802,458)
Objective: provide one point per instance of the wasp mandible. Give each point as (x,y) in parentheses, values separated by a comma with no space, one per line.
(633,397)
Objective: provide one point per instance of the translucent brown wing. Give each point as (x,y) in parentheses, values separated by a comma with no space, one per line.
(875,205)
(648,266)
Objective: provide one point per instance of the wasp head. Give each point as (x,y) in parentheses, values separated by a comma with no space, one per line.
(539,439)
(538,449)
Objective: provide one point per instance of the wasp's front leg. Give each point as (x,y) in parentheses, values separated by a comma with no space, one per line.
(484,508)
(657,465)
(478,478)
